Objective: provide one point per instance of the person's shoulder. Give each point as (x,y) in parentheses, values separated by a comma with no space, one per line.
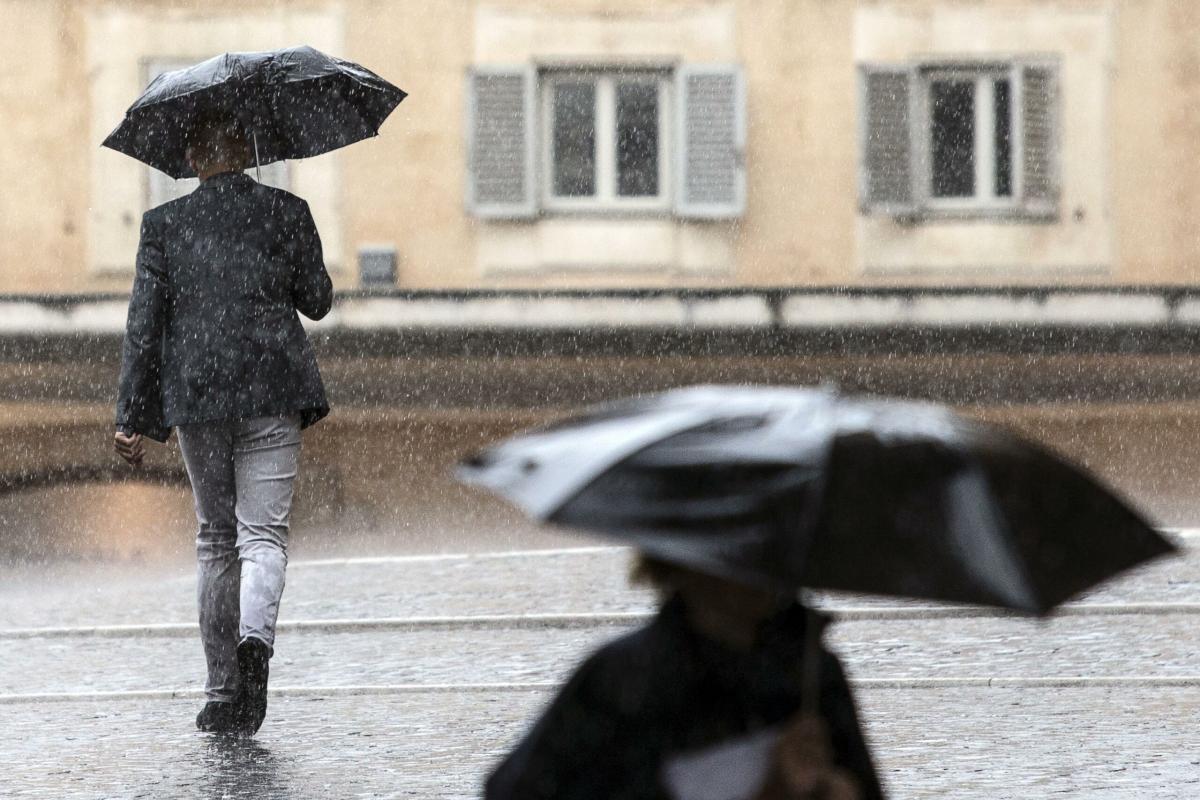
(627,671)
(164,210)
(157,217)
(281,198)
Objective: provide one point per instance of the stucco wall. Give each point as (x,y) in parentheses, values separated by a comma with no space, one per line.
(43,158)
(1131,79)
(1156,141)
(1077,242)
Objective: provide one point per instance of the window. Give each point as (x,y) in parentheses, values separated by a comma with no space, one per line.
(161,188)
(970,124)
(599,141)
(963,138)
(604,141)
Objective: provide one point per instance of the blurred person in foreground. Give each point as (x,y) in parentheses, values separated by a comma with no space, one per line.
(214,347)
(708,700)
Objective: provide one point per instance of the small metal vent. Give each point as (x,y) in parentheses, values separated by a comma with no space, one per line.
(377,265)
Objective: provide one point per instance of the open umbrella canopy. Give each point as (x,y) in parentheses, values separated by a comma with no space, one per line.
(297,103)
(808,488)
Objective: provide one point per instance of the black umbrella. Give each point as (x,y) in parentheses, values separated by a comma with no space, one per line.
(807,488)
(296,103)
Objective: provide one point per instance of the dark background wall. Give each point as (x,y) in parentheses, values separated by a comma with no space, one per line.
(378,471)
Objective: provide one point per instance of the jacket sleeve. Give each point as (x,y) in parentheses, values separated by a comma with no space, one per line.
(571,753)
(849,747)
(312,290)
(139,394)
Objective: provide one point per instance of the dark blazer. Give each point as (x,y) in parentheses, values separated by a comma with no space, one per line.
(213,332)
(666,690)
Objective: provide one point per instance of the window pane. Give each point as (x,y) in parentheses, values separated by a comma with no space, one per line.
(575,139)
(1003,106)
(637,139)
(953,138)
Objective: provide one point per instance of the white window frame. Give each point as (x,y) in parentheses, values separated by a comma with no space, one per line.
(606,198)
(982,74)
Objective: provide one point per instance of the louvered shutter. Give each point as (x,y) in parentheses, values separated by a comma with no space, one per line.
(886,133)
(1039,137)
(710,174)
(500,142)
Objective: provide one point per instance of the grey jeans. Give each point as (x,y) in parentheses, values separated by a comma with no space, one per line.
(242,474)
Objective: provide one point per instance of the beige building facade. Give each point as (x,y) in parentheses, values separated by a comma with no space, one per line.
(678,143)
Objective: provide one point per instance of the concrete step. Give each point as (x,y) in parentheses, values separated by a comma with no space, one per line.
(904,650)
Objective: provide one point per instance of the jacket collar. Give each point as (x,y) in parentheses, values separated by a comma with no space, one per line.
(230,178)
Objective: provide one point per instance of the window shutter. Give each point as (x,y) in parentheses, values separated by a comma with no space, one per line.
(886,132)
(710,174)
(1039,137)
(500,142)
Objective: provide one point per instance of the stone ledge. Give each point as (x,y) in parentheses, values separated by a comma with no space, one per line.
(738,309)
(1087,309)
(742,322)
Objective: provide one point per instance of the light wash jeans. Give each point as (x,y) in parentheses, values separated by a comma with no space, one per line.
(242,474)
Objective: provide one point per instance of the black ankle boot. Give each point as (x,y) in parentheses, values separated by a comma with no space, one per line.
(253,657)
(217,717)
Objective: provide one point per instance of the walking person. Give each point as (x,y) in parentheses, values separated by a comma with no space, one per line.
(738,497)
(707,700)
(214,348)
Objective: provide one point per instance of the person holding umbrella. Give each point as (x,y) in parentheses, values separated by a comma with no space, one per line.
(214,346)
(709,700)
(737,498)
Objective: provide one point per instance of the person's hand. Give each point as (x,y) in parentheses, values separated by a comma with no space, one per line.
(804,768)
(130,448)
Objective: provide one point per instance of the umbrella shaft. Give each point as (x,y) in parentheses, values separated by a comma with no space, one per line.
(257,169)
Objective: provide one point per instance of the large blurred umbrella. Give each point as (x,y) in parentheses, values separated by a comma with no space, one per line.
(296,103)
(806,488)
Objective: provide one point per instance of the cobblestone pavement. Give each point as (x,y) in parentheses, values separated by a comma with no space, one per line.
(411,733)
(1116,646)
(583,580)
(1112,744)
(590,579)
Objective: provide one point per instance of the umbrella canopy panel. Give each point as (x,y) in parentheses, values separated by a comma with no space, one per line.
(806,488)
(297,103)
(966,514)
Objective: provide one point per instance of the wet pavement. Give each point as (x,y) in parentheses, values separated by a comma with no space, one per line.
(977,743)
(382,701)
(497,654)
(586,579)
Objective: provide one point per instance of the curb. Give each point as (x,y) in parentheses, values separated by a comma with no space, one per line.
(167,630)
(866,684)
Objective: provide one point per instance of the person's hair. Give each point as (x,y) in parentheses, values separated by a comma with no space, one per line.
(662,576)
(667,578)
(218,137)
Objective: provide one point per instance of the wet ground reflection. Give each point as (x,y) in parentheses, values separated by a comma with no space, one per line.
(233,766)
